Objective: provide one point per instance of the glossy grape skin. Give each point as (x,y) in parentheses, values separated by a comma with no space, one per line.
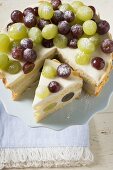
(60,41)
(63,27)
(54,87)
(64,70)
(98,63)
(49,72)
(4,43)
(17,31)
(57,17)
(84,13)
(41,23)
(76,5)
(107,46)
(26,43)
(28,10)
(96,39)
(35,34)
(8,25)
(47,43)
(42,92)
(30,20)
(50,31)
(29,55)
(56,4)
(17,53)
(73,43)
(89,27)
(86,45)
(93,9)
(36,11)
(77,31)
(3,61)
(103,27)
(14,67)
(69,16)
(66,7)
(14,44)
(45,11)
(82,58)
(17,16)
(28,67)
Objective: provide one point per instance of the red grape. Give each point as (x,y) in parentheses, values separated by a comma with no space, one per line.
(30,55)
(77,31)
(54,87)
(30,20)
(103,27)
(98,63)
(28,67)
(64,70)
(26,43)
(69,16)
(17,53)
(63,27)
(107,46)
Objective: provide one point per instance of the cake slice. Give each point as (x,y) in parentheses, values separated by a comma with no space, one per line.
(58,86)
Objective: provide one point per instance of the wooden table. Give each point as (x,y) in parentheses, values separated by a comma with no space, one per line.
(101,126)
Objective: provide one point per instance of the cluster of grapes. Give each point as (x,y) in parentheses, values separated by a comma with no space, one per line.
(63,71)
(52,24)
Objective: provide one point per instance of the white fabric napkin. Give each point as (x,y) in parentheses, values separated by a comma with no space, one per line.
(22,146)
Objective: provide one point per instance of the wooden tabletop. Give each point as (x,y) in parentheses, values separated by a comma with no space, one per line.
(101,126)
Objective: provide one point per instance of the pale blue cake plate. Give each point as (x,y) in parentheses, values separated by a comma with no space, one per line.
(77,113)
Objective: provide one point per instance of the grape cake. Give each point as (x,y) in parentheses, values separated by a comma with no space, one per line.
(58,86)
(72,31)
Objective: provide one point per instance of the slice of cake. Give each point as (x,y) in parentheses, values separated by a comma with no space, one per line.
(58,86)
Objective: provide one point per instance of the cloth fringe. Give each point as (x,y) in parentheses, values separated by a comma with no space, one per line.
(45,157)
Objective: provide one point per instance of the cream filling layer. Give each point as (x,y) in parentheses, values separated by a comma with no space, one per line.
(65,83)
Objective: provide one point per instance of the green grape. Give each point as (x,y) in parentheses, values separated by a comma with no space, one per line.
(17,31)
(3,61)
(50,107)
(76,5)
(44,3)
(96,39)
(42,92)
(49,72)
(84,13)
(14,67)
(78,21)
(66,7)
(4,43)
(86,45)
(45,11)
(60,41)
(89,27)
(14,44)
(81,58)
(35,34)
(49,31)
